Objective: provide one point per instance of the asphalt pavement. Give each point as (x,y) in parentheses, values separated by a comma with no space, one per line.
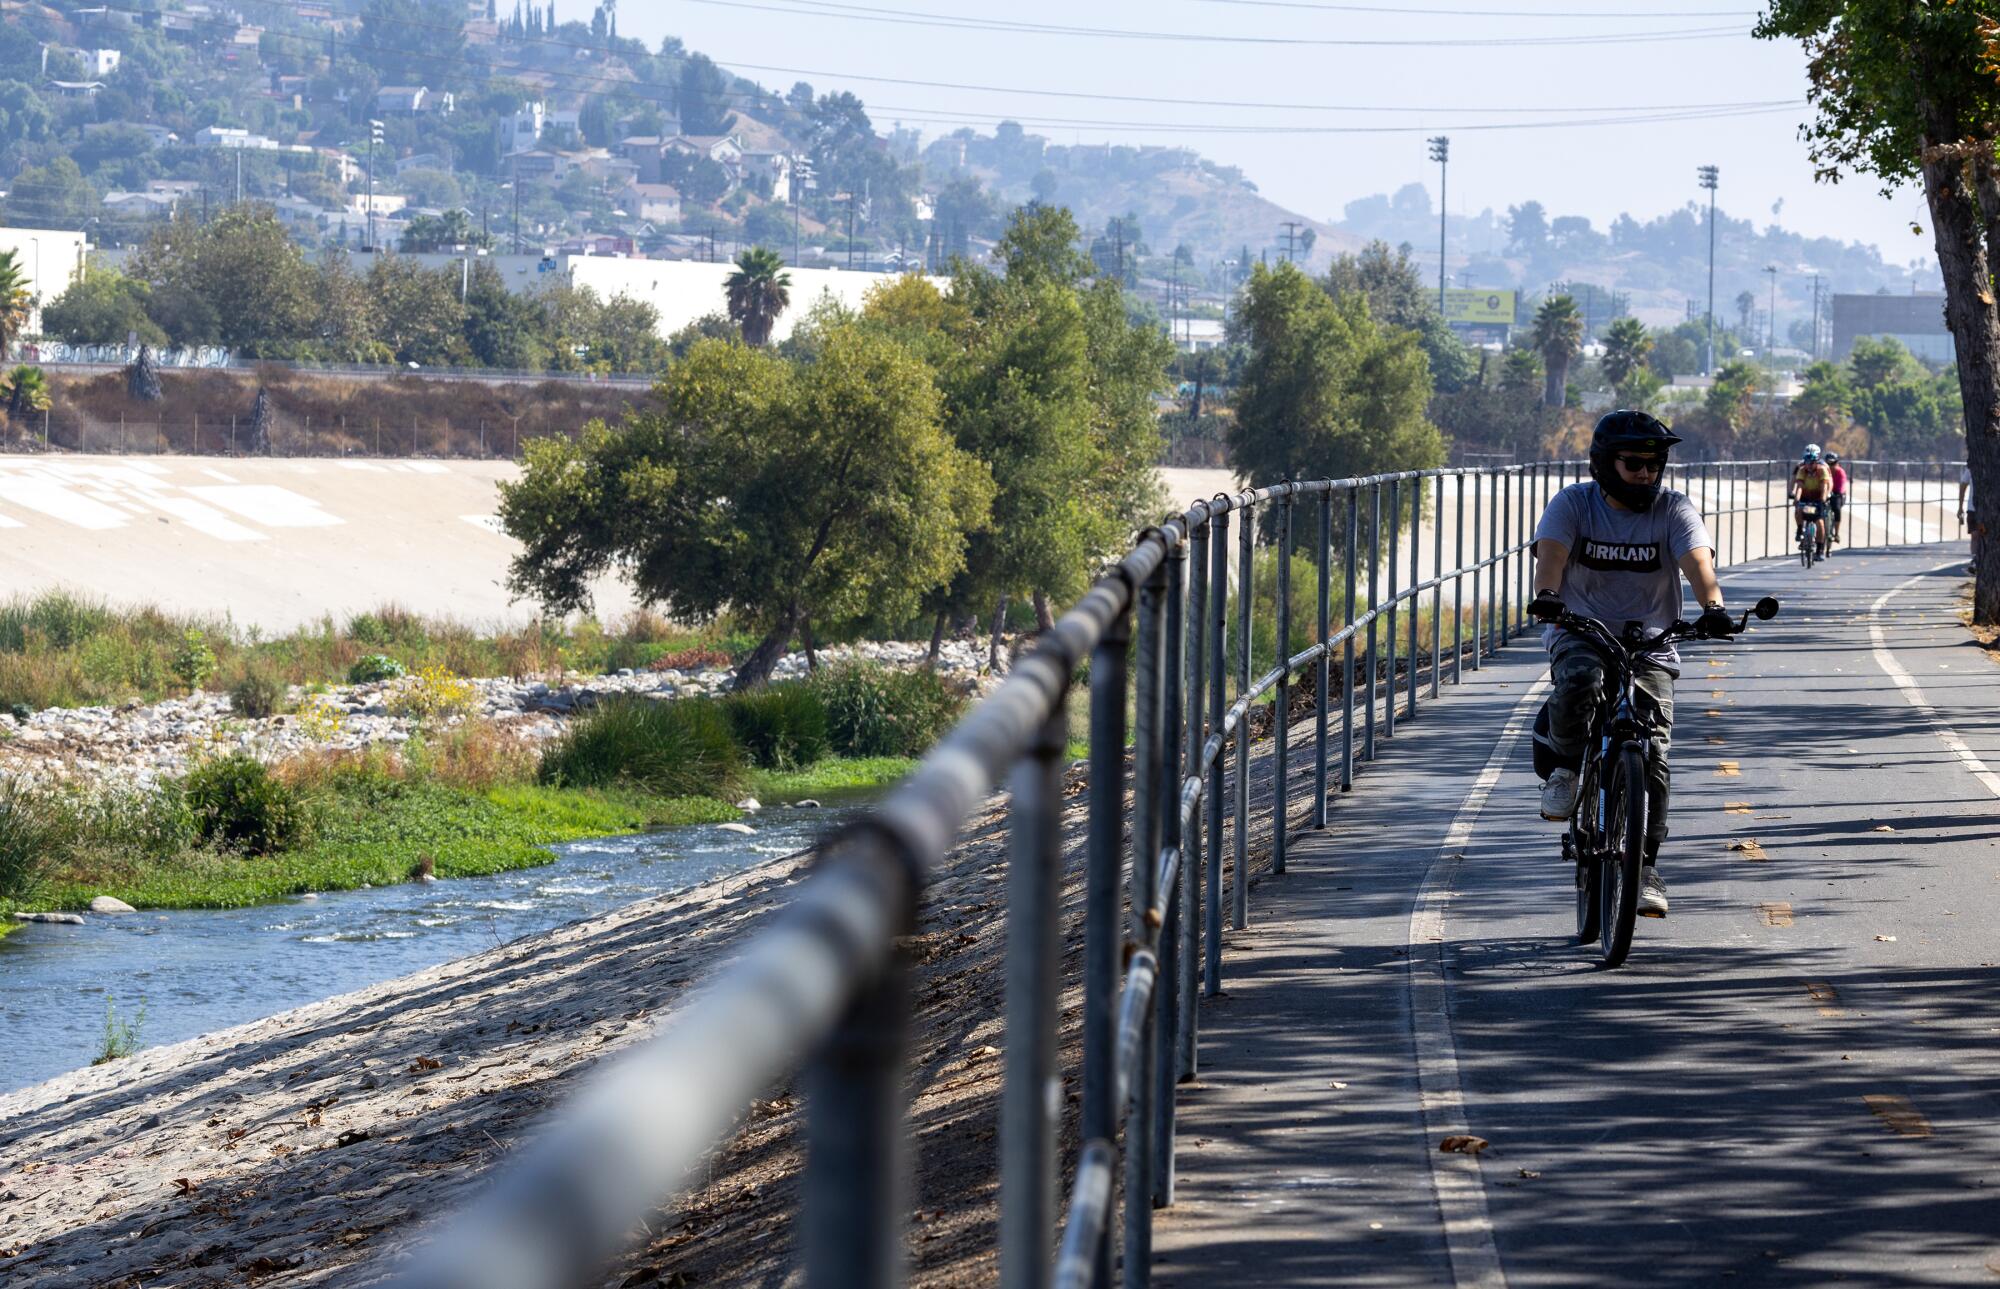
(1795,1080)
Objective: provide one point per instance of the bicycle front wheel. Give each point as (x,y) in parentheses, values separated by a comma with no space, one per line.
(1624,852)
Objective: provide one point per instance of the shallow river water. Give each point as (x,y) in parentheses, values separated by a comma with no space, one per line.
(207,969)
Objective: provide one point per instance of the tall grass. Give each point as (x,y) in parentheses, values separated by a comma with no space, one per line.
(680,748)
(781,727)
(62,649)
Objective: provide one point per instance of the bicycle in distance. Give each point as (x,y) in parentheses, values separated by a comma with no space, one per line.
(1606,839)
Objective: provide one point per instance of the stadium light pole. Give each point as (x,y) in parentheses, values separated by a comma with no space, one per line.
(1709,176)
(1771,343)
(1441,153)
(374,137)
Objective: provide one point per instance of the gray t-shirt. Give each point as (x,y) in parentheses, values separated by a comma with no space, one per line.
(1624,565)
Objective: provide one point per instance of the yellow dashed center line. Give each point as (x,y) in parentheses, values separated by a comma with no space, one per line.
(1777,913)
(1825,997)
(1898,1113)
(1727,770)
(1736,807)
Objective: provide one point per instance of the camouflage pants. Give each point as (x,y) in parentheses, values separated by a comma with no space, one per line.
(1577,675)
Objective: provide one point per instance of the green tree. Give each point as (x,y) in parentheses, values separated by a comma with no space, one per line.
(786,492)
(1908,92)
(443,232)
(1558,337)
(52,196)
(703,92)
(24,118)
(103,307)
(502,329)
(1729,396)
(418,314)
(26,389)
(239,279)
(1825,400)
(758,291)
(15,302)
(1520,371)
(1398,297)
(1326,392)
(1881,361)
(413,42)
(1626,347)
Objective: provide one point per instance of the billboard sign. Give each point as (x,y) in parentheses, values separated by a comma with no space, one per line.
(1480,308)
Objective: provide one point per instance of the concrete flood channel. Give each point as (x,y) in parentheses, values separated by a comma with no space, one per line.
(199,970)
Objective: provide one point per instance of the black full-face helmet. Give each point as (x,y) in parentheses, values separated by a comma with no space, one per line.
(1628,431)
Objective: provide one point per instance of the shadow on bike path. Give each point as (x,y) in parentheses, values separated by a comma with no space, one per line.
(1794,1080)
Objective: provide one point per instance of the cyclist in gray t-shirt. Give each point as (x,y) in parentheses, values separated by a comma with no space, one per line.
(1614,548)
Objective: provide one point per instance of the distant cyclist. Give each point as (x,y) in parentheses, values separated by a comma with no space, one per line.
(1812,485)
(1614,548)
(1838,501)
(1969,517)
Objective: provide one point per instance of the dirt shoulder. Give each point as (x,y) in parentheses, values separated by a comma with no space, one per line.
(309,1148)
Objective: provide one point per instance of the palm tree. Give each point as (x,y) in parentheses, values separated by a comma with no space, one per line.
(759,290)
(1520,371)
(14,300)
(1558,336)
(27,390)
(1626,345)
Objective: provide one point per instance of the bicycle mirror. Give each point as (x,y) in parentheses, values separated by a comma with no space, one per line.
(1767,608)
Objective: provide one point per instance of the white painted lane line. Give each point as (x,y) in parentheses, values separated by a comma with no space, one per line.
(1886,660)
(1456,1179)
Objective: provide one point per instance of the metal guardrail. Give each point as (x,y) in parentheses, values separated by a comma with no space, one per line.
(824,986)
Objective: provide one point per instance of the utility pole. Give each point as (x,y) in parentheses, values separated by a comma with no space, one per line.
(1815,331)
(1292,227)
(802,177)
(374,137)
(1441,153)
(239,176)
(1772,343)
(1709,176)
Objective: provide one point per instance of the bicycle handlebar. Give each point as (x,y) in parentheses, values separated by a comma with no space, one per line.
(1598,633)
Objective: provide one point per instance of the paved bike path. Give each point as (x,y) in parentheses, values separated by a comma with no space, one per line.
(1795,1080)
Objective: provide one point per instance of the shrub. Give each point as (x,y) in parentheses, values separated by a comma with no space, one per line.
(370,668)
(194,661)
(54,619)
(433,692)
(35,829)
(475,755)
(321,719)
(236,803)
(121,1038)
(678,748)
(691,659)
(781,727)
(257,694)
(366,628)
(873,710)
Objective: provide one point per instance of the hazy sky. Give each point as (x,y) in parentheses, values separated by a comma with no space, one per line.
(1497,66)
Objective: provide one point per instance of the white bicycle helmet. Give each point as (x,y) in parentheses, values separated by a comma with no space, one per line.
(1811,453)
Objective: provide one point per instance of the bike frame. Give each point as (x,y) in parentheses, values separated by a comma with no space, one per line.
(1618,720)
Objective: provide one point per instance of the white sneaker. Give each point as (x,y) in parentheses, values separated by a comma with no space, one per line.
(1559,795)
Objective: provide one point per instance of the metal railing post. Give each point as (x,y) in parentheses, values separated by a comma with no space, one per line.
(1416,578)
(1478,596)
(1389,635)
(1103,941)
(857,1166)
(1239,887)
(1347,649)
(1503,547)
(1193,845)
(1031,1091)
(1142,1081)
(1323,672)
(1373,656)
(1437,588)
(1218,703)
(1281,711)
(1172,987)
(1458,583)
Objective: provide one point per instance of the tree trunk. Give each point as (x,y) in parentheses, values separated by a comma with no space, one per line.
(1556,388)
(1954,188)
(756,670)
(993,645)
(812,646)
(937,640)
(1044,616)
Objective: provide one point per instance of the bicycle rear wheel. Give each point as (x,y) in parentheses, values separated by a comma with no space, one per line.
(1577,848)
(1624,852)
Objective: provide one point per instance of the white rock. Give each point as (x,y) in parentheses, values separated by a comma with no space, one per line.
(110,904)
(61,919)
(745,829)
(749,805)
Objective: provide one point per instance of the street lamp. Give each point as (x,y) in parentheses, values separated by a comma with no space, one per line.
(1708,176)
(1441,153)
(1771,342)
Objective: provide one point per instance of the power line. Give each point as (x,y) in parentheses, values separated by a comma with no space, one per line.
(914,18)
(736,97)
(1489,13)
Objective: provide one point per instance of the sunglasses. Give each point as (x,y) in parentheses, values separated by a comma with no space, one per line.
(1641,465)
